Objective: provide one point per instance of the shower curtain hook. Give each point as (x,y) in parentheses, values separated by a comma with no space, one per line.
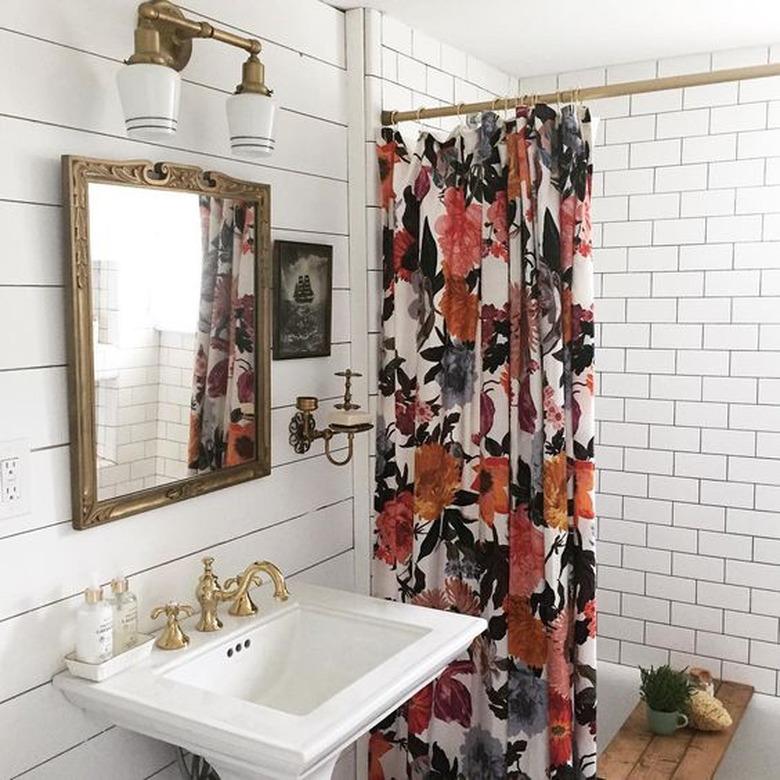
(419,112)
(460,112)
(394,120)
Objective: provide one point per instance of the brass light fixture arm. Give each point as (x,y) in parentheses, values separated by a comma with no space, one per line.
(155,12)
(164,36)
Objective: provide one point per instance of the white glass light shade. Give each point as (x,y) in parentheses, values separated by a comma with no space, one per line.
(251,124)
(150,100)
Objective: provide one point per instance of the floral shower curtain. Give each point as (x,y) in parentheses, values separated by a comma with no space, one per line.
(485,469)
(222,409)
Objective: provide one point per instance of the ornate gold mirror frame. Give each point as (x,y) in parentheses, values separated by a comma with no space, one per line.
(78,172)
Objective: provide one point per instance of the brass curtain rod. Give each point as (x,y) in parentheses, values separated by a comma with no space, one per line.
(588,93)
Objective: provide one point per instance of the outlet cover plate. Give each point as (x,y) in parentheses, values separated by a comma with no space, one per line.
(14,478)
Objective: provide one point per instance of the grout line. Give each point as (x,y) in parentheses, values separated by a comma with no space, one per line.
(184,556)
(157,145)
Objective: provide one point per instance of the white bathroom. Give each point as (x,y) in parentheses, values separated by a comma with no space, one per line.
(389,390)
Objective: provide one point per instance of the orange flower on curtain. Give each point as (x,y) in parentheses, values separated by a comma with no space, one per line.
(222,408)
(486,419)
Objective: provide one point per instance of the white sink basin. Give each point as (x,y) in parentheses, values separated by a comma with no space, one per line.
(281,694)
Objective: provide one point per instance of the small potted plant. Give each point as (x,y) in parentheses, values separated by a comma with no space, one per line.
(665,691)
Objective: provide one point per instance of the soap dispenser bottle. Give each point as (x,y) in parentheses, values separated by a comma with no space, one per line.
(94,628)
(125,607)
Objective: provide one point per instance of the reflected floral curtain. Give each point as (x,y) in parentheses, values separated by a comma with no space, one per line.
(485,472)
(222,409)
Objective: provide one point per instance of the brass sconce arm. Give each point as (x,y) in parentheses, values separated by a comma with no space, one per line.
(164,36)
(164,12)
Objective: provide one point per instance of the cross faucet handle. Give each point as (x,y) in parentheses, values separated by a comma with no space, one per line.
(172,636)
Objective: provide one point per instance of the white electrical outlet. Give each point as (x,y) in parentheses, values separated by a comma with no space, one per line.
(14,485)
(9,468)
(11,494)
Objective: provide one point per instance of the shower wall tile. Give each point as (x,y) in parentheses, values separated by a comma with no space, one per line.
(689,357)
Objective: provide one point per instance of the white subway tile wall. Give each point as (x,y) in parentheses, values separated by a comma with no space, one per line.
(689,400)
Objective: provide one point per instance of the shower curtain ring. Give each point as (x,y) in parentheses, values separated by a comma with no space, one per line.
(493,104)
(460,112)
(419,112)
(394,119)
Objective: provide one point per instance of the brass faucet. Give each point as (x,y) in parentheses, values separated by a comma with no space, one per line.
(237,588)
(209,593)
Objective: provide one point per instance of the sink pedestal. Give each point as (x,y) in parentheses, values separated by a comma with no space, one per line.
(322,772)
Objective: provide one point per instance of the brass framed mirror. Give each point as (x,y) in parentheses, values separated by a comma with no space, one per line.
(168,334)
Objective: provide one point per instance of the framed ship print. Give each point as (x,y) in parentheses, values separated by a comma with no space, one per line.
(303,299)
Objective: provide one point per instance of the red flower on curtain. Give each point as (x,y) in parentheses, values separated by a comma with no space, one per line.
(460,233)
(396,529)
(492,484)
(451,698)
(420,709)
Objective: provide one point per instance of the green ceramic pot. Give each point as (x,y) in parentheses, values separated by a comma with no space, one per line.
(665,722)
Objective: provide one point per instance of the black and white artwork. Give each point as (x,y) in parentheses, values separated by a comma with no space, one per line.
(302,299)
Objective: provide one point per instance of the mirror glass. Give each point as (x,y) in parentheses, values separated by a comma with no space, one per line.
(173,333)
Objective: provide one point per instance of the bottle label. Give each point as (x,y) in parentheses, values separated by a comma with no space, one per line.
(105,639)
(125,626)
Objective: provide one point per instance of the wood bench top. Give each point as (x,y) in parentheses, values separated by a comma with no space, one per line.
(635,753)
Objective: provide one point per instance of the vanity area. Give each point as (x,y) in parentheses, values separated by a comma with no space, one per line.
(281,693)
(260,679)
(175,402)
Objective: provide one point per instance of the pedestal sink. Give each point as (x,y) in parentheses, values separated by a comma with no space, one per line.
(279,695)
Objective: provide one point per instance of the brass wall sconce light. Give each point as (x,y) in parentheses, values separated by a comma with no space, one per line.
(348,420)
(150,84)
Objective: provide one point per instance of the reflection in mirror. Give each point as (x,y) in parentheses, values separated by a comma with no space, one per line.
(173,325)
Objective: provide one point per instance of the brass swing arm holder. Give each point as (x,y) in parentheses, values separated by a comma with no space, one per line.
(164,35)
(303,428)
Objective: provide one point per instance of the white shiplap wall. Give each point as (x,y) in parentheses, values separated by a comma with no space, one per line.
(686,213)
(59,62)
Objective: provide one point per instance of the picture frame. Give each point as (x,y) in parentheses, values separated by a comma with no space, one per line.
(302,299)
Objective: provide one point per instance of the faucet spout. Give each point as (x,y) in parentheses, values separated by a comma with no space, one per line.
(237,588)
